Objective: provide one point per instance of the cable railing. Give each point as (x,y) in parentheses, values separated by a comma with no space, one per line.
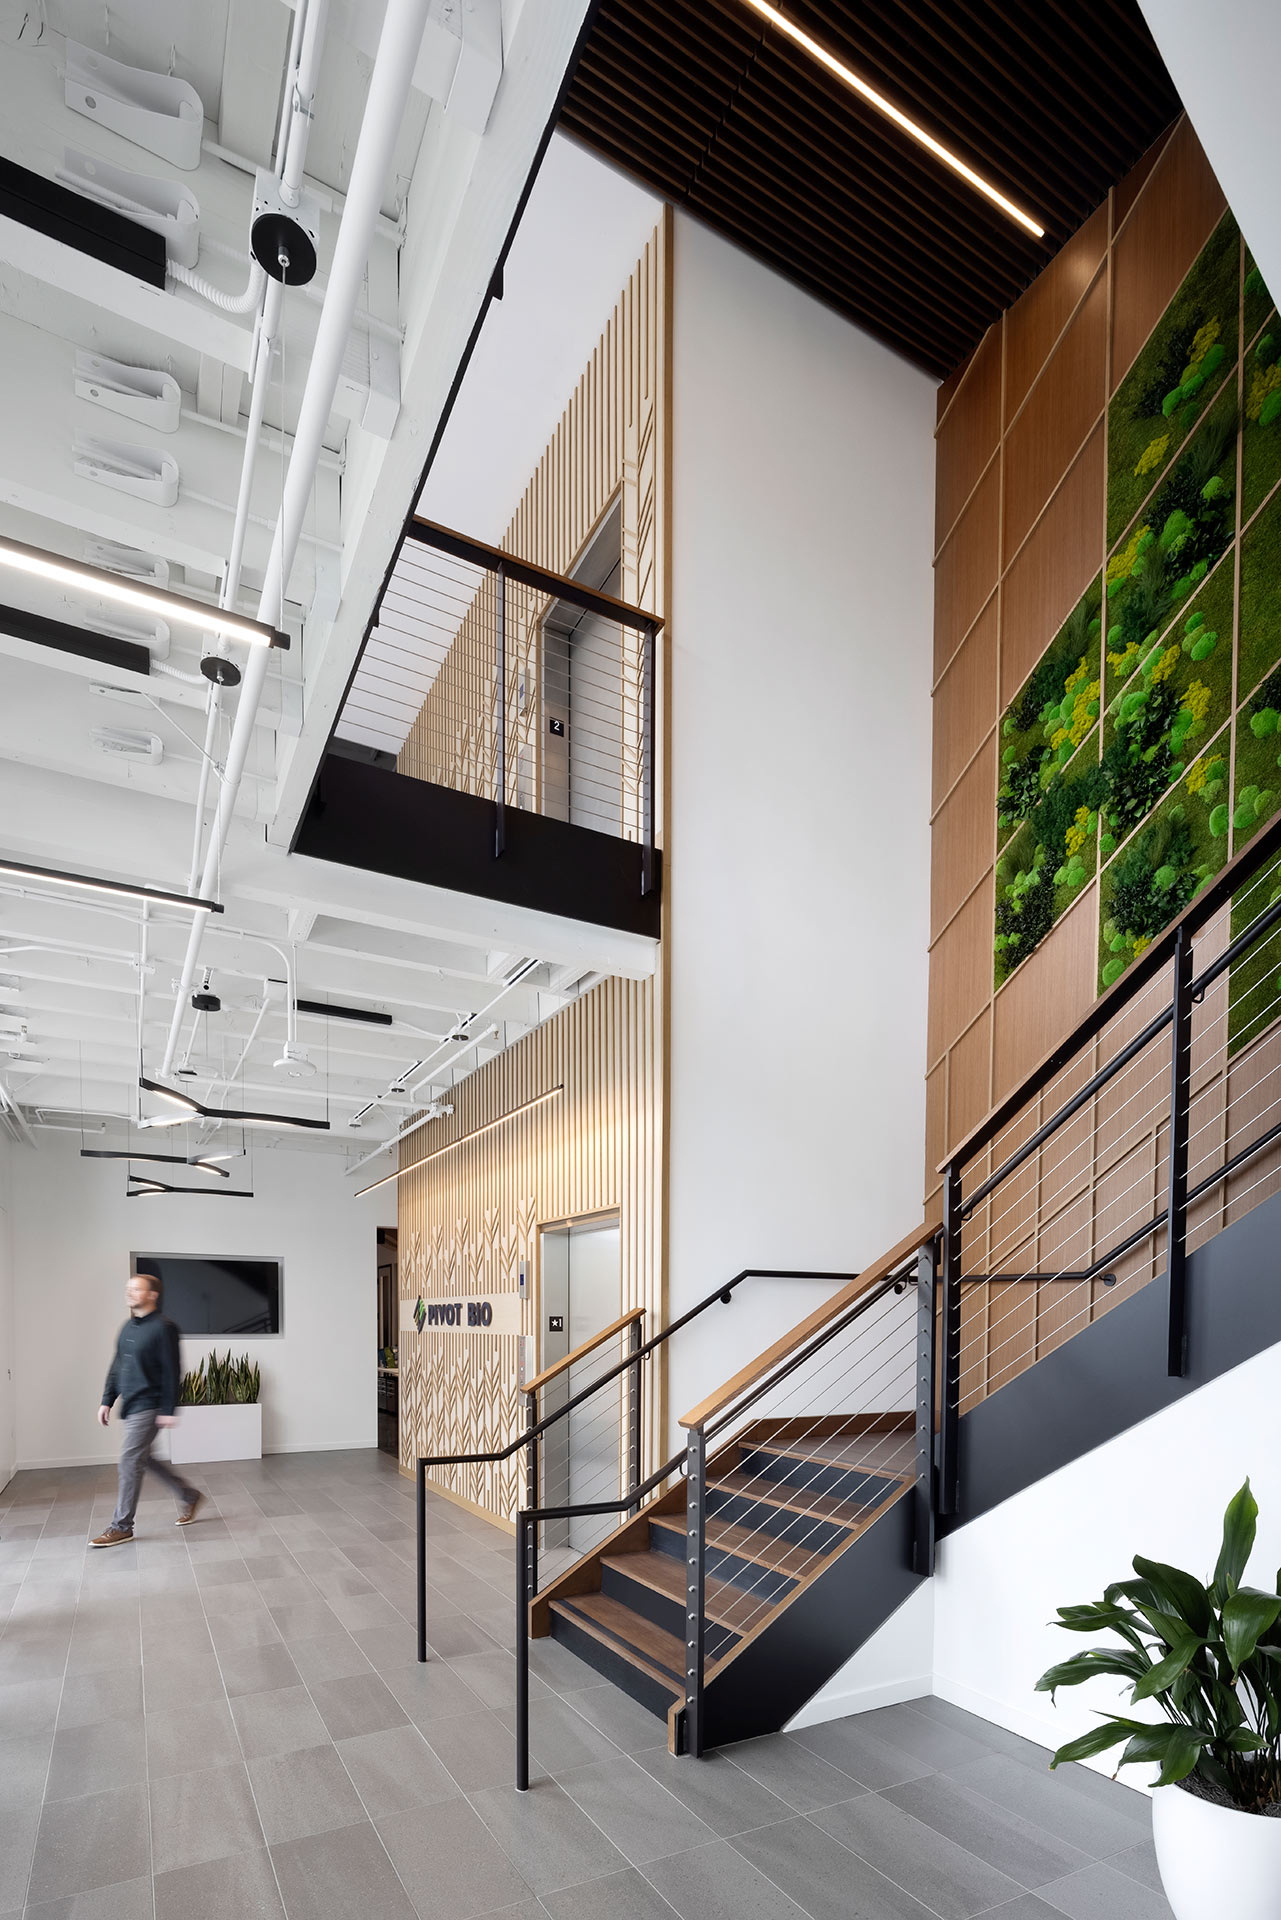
(573,1410)
(494,677)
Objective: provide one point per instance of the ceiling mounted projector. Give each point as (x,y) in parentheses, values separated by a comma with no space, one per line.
(293,1062)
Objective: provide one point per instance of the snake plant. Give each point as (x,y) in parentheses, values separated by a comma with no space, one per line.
(216,1383)
(1208,1656)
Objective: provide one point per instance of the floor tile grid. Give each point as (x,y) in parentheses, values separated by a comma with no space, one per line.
(330,1512)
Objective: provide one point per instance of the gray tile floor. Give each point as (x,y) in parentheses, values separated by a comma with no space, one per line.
(228,1723)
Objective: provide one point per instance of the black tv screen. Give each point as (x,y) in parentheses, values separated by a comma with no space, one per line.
(216,1293)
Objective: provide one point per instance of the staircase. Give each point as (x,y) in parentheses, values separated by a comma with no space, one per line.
(781,1509)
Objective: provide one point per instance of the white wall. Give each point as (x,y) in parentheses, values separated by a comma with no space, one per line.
(73,1232)
(798,841)
(1158,1490)
(1227,81)
(581,234)
(8,1365)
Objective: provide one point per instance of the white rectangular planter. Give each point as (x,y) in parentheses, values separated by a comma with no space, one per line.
(216,1433)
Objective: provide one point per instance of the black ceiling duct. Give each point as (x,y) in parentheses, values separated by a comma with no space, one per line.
(76,221)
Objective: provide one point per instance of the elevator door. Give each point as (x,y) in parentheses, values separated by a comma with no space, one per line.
(582,1456)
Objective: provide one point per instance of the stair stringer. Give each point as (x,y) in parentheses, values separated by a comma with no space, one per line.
(812,1633)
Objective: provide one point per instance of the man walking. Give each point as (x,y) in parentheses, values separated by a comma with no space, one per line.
(144,1377)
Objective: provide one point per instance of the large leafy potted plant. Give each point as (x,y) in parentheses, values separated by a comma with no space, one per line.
(1210,1659)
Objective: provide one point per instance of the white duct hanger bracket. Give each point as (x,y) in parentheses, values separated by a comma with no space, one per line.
(155,111)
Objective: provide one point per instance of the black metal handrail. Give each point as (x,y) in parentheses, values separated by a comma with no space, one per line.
(536,1427)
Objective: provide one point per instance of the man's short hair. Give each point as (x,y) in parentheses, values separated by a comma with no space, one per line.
(153,1283)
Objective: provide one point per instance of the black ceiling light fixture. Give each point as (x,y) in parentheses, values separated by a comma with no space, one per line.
(330,1011)
(142,1188)
(198,1161)
(189,1108)
(90,883)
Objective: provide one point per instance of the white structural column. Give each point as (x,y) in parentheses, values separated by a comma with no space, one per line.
(384,109)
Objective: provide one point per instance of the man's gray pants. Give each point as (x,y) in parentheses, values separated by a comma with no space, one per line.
(135,1458)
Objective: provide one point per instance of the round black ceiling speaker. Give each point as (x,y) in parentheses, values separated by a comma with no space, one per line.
(205,1002)
(223,672)
(274,234)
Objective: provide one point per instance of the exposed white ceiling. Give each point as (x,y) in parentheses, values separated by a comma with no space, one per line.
(86,990)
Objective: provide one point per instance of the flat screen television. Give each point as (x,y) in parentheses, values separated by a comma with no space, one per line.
(215,1294)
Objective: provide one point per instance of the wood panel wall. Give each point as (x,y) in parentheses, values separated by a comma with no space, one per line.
(1020,533)
(469,1220)
(611,444)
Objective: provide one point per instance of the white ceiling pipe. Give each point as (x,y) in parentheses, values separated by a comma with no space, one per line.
(379,130)
(10,1107)
(412,1126)
(301,71)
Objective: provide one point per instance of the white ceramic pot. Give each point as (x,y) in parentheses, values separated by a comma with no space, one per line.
(231,1432)
(1216,1863)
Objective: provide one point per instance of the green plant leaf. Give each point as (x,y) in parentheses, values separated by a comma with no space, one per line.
(1160,1677)
(1239,1524)
(1181,1755)
(1086,1745)
(1085,1666)
(1179,1591)
(1244,1740)
(1246,1618)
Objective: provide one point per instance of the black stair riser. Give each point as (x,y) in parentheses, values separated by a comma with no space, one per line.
(664,1611)
(767,1582)
(781,1523)
(613,1666)
(861,1486)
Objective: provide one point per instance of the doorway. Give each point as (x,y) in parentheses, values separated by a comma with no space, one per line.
(583,694)
(388,1339)
(580,1271)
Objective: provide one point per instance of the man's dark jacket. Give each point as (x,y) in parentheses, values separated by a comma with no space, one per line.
(144,1371)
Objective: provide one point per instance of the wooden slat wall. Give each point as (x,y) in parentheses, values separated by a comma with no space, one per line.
(611,443)
(1020,532)
(469,1220)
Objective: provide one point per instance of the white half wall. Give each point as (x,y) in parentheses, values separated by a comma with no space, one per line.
(1158,1490)
(797,845)
(73,1231)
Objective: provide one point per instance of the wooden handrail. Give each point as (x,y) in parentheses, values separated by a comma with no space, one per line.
(812,1323)
(579,1353)
(558,586)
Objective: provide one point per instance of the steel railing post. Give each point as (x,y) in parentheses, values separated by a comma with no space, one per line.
(926,1398)
(634,1474)
(500,716)
(950,1370)
(421,1579)
(532,1489)
(695,1585)
(1176,1208)
(647,762)
(524,1526)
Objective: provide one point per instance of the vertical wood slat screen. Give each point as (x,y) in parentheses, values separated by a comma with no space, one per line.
(469,1220)
(608,446)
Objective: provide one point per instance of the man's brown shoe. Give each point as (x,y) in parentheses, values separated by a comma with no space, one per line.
(189,1512)
(113,1537)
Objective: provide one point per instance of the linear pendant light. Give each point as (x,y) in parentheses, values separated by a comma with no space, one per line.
(110,586)
(858,85)
(450,1145)
(89,883)
(144,1189)
(198,1164)
(233,1116)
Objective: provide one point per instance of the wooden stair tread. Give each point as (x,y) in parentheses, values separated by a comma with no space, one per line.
(727,1605)
(748,1543)
(630,1635)
(858,1452)
(770,1493)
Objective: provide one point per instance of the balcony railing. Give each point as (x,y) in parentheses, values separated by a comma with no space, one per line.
(490,676)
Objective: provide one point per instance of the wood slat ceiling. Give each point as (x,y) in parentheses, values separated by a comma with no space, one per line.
(1051,101)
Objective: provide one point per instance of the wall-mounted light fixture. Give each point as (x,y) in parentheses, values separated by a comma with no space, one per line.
(110,586)
(463,1140)
(89,883)
(858,85)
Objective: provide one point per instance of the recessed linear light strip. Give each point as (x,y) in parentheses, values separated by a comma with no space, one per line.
(860,86)
(55,877)
(110,586)
(537,1101)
